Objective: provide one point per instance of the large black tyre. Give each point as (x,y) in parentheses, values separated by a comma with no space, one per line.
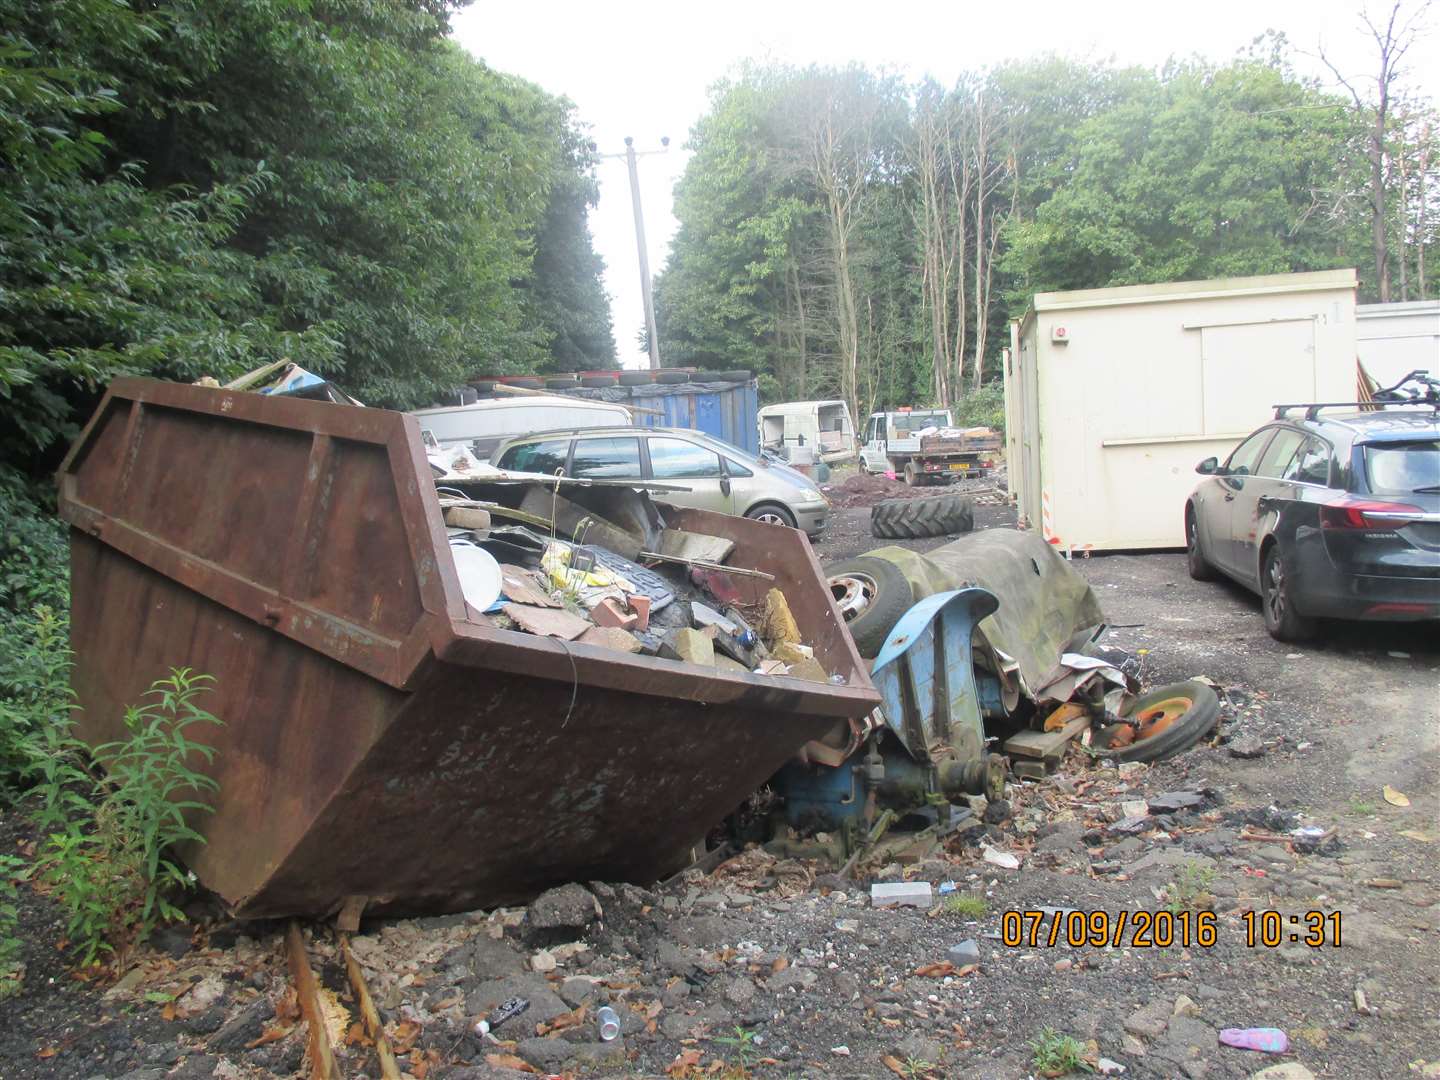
(561,382)
(1172,718)
(527,384)
(672,378)
(872,595)
(484,386)
(1199,566)
(636,378)
(1277,600)
(597,382)
(912,519)
(729,376)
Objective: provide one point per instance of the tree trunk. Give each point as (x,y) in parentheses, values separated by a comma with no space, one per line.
(1421,210)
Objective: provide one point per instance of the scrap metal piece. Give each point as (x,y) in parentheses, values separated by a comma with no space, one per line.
(926,677)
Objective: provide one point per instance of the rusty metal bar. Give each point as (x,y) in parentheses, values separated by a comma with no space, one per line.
(322,1058)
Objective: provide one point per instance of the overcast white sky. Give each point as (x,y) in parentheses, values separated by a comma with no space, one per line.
(643,68)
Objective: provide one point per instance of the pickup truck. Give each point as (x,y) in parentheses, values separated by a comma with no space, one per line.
(923,445)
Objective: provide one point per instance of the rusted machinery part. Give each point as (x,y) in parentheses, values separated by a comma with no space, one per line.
(389,1068)
(1160,723)
(974,776)
(322,1057)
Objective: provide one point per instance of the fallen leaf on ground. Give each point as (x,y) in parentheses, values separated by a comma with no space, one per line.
(269,1035)
(404,1036)
(356,1035)
(1413,834)
(509,1061)
(683,1063)
(48,1052)
(563,1021)
(895,1066)
(936,971)
(1396,798)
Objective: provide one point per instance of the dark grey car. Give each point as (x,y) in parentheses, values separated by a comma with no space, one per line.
(1326,516)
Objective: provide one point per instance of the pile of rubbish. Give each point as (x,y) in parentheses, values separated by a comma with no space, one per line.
(574,567)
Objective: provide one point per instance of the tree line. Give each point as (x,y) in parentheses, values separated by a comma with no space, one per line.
(200,187)
(849,234)
(197,187)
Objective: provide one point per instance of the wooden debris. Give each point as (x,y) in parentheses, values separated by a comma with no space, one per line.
(1046,746)
(322,1058)
(389,1068)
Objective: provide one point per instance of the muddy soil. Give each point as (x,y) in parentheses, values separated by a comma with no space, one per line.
(779,969)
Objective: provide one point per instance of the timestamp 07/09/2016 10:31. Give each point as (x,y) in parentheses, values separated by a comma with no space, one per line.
(1163,929)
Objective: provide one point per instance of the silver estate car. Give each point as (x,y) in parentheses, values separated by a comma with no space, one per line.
(720,476)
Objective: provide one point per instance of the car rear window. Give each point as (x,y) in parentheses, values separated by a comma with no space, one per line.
(673,459)
(1403,468)
(542,457)
(615,458)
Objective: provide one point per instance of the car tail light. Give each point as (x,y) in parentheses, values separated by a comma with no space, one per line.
(1353,513)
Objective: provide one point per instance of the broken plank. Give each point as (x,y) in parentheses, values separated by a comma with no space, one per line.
(389,1068)
(1045,745)
(322,1058)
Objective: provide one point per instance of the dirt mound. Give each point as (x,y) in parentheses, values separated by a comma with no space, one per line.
(865,489)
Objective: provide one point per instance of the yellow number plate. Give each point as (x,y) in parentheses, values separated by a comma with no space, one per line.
(959,465)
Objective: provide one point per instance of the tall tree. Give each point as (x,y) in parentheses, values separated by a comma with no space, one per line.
(1393,34)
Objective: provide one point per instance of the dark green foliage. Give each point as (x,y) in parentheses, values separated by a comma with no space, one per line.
(984,407)
(197,187)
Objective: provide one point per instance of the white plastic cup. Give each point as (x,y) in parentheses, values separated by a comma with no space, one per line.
(608,1023)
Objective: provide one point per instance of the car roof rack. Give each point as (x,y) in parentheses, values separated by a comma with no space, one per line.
(1419,389)
(1312,408)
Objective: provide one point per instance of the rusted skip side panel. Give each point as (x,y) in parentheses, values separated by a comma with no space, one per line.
(489,789)
(275,772)
(376,743)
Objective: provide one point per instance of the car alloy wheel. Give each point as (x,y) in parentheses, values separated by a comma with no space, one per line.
(1277,603)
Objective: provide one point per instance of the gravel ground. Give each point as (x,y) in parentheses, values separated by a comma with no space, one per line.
(779,969)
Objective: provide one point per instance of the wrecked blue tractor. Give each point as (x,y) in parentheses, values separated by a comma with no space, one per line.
(923,750)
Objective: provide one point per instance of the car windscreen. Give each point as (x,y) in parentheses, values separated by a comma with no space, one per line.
(1403,468)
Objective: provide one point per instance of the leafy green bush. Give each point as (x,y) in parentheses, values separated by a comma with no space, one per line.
(109,857)
(34,570)
(10,867)
(35,700)
(984,407)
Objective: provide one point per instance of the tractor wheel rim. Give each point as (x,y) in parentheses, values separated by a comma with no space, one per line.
(1158,717)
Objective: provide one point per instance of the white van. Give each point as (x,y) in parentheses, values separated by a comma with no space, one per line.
(808,430)
(483,425)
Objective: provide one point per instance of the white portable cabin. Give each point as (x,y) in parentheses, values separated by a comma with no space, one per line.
(1113,395)
(1396,339)
(824,426)
(483,425)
